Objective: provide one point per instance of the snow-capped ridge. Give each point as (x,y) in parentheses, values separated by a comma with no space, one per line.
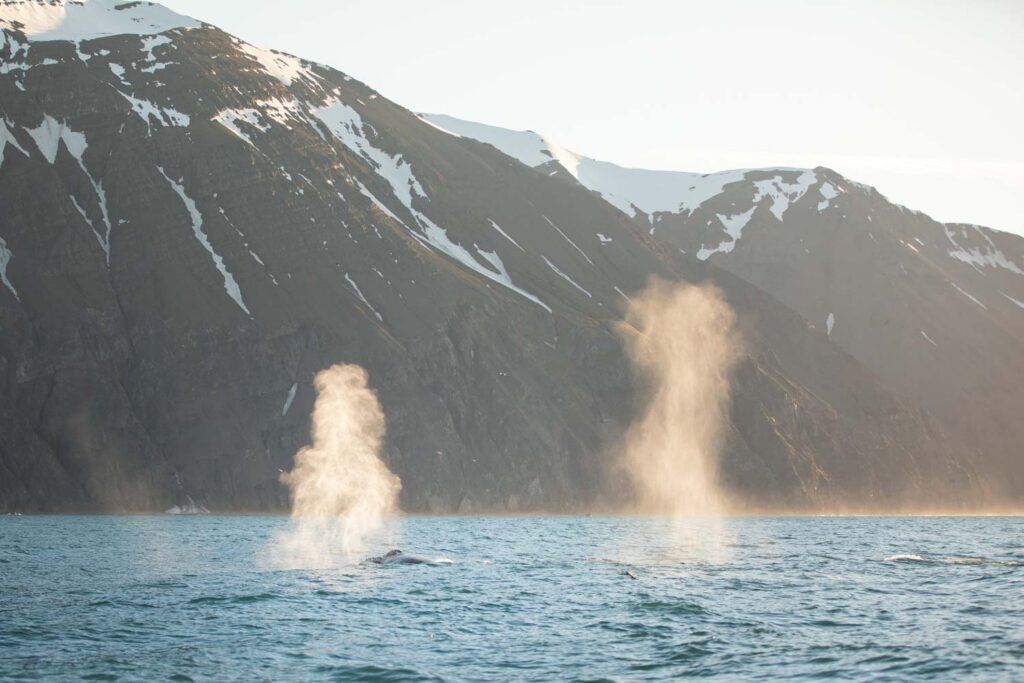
(631,190)
(284,67)
(987,255)
(74,21)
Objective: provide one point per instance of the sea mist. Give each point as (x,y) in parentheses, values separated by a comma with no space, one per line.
(683,343)
(341,490)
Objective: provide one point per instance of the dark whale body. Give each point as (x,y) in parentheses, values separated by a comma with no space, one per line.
(398,557)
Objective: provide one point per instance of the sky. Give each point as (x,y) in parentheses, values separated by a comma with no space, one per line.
(924,99)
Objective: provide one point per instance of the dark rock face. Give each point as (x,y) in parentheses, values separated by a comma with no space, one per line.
(185,245)
(934,310)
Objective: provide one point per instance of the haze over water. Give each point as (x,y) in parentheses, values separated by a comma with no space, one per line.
(165,598)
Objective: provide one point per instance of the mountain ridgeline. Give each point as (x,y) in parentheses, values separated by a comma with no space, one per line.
(191,227)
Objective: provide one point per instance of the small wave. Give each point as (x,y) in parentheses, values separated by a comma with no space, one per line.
(955,560)
(231,599)
(374,673)
(963,560)
(681,608)
(115,602)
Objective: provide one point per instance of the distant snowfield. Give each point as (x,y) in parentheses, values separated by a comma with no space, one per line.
(949,192)
(628,189)
(648,193)
(74,21)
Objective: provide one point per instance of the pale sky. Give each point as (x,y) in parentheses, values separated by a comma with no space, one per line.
(923,99)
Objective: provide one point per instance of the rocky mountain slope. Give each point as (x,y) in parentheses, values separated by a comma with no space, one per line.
(936,311)
(192,226)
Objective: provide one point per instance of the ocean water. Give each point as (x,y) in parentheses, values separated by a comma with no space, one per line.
(530,598)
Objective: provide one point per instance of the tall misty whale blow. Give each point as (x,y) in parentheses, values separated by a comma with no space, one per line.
(683,343)
(341,490)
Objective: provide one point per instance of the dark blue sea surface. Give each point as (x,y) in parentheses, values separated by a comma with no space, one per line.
(530,598)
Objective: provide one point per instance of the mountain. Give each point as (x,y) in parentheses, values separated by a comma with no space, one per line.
(935,310)
(193,226)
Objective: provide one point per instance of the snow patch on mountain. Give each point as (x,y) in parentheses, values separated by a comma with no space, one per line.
(289,399)
(526,146)
(828,193)
(230,118)
(574,245)
(504,234)
(967,294)
(505,279)
(48,135)
(284,67)
(149,112)
(230,285)
(424,119)
(286,112)
(733,228)
(565,277)
(628,189)
(359,293)
(987,255)
(118,71)
(72,20)
(7,138)
(830,322)
(783,193)
(346,125)
(438,238)
(149,43)
(1016,301)
(570,161)
(5,258)
(10,66)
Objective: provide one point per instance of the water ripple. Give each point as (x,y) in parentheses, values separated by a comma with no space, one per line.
(155,598)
